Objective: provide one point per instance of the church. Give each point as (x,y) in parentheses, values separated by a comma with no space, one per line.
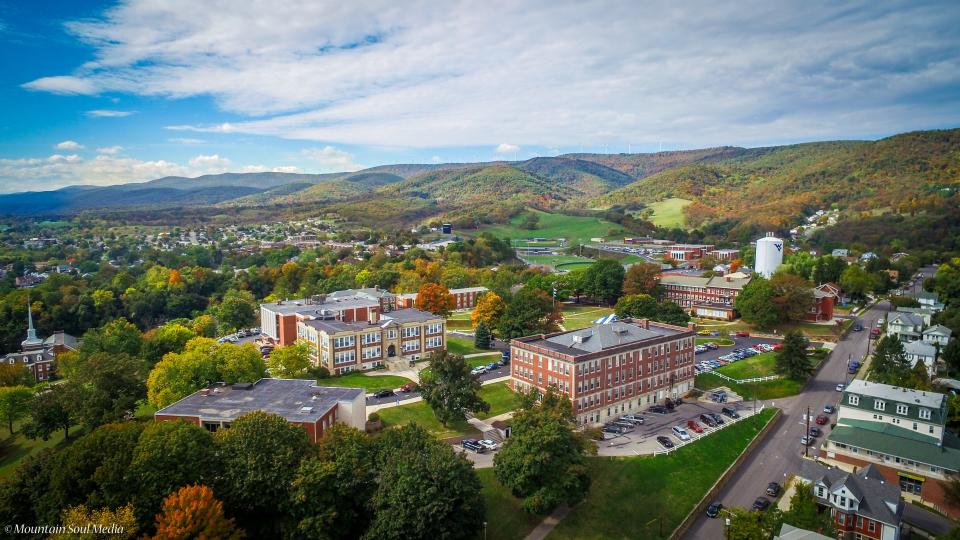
(40,355)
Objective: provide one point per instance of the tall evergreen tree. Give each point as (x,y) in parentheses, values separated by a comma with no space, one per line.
(890,364)
(481,336)
(792,360)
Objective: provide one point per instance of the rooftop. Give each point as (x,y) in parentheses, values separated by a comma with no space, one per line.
(897,441)
(725,282)
(297,400)
(920,348)
(400,316)
(910,396)
(878,499)
(605,336)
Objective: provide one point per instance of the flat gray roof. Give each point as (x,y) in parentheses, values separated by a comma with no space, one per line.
(602,337)
(932,400)
(297,400)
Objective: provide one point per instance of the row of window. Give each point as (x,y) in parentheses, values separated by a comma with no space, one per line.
(881,405)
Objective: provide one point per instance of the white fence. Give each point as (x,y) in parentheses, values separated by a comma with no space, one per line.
(741,381)
(696,437)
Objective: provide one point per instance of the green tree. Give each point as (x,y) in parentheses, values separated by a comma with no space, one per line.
(16,375)
(604,280)
(168,338)
(641,278)
(202,361)
(746,525)
(239,363)
(641,306)
(14,404)
(755,304)
(25,496)
(890,364)
(671,313)
(481,336)
(331,492)
(528,312)
(805,513)
(827,269)
(450,389)
(857,282)
(238,309)
(792,360)
(119,336)
(109,387)
(290,362)
(793,295)
(51,410)
(951,356)
(426,490)
(544,460)
(260,454)
(168,455)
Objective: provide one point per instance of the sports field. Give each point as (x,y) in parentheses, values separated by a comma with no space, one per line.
(559,262)
(576,317)
(576,229)
(668,213)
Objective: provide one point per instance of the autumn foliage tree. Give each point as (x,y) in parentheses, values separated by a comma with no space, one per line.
(436,299)
(193,512)
(488,309)
(641,278)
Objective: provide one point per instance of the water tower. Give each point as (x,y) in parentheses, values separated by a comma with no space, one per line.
(769,255)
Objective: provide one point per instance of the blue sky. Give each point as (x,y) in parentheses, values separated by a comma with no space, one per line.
(101,93)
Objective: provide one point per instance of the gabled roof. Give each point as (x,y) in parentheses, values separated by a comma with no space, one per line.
(908,319)
(878,499)
(920,348)
(938,330)
(899,442)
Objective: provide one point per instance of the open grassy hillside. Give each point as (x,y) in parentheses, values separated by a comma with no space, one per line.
(576,229)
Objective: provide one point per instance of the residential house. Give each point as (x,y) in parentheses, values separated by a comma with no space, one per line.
(825,297)
(299,401)
(840,253)
(937,335)
(921,351)
(789,532)
(902,433)
(930,300)
(609,369)
(907,327)
(863,504)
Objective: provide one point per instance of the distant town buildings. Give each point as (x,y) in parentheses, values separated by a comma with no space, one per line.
(464,298)
(607,370)
(301,402)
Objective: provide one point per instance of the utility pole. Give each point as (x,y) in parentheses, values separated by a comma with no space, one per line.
(807,434)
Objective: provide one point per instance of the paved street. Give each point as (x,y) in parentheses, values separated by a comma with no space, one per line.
(780,453)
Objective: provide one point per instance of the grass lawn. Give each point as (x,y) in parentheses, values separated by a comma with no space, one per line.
(460,320)
(760,365)
(461,345)
(718,340)
(777,388)
(505,517)
(421,413)
(13,450)
(501,399)
(577,317)
(627,495)
(668,213)
(576,229)
(370,383)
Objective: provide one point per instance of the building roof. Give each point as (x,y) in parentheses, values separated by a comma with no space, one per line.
(908,396)
(920,348)
(878,499)
(722,282)
(62,338)
(297,400)
(400,316)
(925,295)
(605,336)
(896,441)
(903,318)
(469,290)
(938,330)
(789,532)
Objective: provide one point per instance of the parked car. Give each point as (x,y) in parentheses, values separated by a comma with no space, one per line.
(815,432)
(704,332)
(473,445)
(638,420)
(659,409)
(681,433)
(479,370)
(731,412)
(611,428)
(700,349)
(712,346)
(493,366)
(694,426)
(409,387)
(840,387)
(743,334)
(627,426)
(714,510)
(717,418)
(383,394)
(773,489)
(762,503)
(858,328)
(665,442)
(503,362)
(706,419)
(828,409)
(489,444)
(807,440)
(821,419)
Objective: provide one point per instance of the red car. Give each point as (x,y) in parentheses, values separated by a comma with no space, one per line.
(821,419)
(695,427)
(409,387)
(778,346)
(743,334)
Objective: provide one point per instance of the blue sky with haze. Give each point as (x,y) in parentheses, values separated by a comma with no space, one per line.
(102,93)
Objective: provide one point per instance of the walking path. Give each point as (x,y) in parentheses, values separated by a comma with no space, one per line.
(546,526)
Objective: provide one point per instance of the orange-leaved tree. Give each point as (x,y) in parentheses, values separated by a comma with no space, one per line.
(193,512)
(489,308)
(436,299)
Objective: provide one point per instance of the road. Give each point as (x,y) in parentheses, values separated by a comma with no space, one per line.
(780,453)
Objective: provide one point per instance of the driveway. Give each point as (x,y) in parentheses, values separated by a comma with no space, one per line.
(780,453)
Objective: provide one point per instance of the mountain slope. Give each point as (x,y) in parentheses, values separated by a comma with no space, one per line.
(587,177)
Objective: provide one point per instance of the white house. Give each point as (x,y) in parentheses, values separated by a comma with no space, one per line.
(920,351)
(937,334)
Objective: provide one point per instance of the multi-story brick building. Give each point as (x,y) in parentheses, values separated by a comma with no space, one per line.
(824,298)
(609,369)
(708,297)
(345,346)
(863,505)
(688,252)
(465,298)
(301,402)
(903,433)
(278,320)
(39,356)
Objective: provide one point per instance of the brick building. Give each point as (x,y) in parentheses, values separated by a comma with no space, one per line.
(301,402)
(707,297)
(610,369)
(902,432)
(465,298)
(39,356)
(825,298)
(345,346)
(688,252)
(278,320)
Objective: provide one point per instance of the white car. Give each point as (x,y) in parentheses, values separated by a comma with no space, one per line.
(840,387)
(479,370)
(681,433)
(488,444)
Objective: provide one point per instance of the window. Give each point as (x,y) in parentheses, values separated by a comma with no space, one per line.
(411,331)
(909,485)
(434,342)
(341,342)
(435,328)
(345,357)
(370,337)
(924,414)
(879,404)
(902,409)
(371,352)
(409,346)
(392,334)
(871,525)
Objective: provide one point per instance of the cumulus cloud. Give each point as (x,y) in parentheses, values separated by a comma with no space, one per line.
(185,140)
(107,113)
(506,148)
(68,145)
(542,72)
(110,150)
(435,159)
(332,159)
(59,170)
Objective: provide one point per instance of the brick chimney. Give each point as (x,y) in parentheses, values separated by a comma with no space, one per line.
(644,323)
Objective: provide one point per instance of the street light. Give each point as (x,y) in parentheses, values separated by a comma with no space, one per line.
(484,530)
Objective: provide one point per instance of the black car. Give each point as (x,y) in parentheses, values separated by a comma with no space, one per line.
(714,510)
(665,441)
(658,409)
(473,446)
(708,420)
(383,394)
(717,418)
(730,411)
(773,489)
(610,428)
(815,432)
(762,503)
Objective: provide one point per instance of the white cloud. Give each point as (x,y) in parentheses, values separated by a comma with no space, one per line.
(185,140)
(506,148)
(68,145)
(59,170)
(110,150)
(541,72)
(332,159)
(107,113)
(435,159)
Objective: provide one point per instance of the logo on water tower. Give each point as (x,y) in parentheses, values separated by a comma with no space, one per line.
(779,246)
